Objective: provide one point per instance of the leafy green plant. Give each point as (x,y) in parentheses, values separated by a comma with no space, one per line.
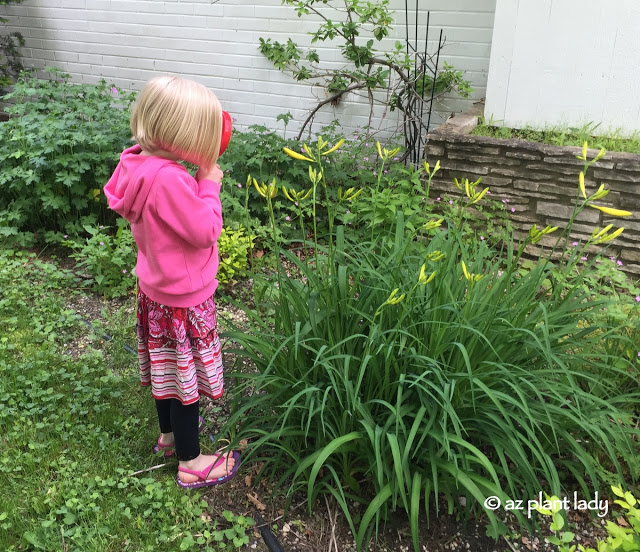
(564,136)
(619,539)
(11,65)
(58,148)
(234,246)
(416,364)
(405,78)
(106,259)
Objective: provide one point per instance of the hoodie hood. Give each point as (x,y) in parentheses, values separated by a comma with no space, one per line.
(128,188)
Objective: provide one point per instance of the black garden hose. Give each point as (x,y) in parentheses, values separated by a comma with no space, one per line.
(267,535)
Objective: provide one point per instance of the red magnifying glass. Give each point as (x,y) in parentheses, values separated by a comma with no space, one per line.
(226,132)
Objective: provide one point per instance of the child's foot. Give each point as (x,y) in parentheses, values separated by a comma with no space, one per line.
(209,468)
(166,440)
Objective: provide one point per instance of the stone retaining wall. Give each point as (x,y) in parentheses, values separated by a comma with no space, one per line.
(541,184)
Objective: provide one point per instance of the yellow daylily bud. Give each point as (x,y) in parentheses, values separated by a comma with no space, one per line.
(307,149)
(393,294)
(296,155)
(601,154)
(584,151)
(600,193)
(313,175)
(437,167)
(610,237)
(306,196)
(273,189)
(598,233)
(582,188)
(340,193)
(379,149)
(479,196)
(455,181)
(354,196)
(611,211)
(435,256)
(424,279)
(392,299)
(433,224)
(261,188)
(549,229)
(426,168)
(286,193)
(466,187)
(334,148)
(465,271)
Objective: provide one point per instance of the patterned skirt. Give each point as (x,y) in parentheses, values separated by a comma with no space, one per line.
(179,350)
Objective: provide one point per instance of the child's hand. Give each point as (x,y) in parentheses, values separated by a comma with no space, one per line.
(214,173)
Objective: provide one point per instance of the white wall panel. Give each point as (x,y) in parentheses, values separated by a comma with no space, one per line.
(564,62)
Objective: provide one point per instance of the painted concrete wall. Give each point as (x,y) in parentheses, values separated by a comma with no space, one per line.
(216,42)
(566,62)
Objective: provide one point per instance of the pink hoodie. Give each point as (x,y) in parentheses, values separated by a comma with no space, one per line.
(175,221)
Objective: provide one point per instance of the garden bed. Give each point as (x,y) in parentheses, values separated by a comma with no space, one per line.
(539,182)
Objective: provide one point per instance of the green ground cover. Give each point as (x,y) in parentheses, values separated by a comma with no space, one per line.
(564,136)
(74,429)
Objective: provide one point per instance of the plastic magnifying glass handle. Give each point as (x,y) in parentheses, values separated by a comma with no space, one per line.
(226,132)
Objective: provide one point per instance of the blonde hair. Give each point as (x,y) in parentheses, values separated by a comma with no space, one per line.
(180,116)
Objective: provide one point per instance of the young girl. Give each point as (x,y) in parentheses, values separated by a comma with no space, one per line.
(176,220)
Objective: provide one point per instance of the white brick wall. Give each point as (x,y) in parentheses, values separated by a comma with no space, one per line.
(130,41)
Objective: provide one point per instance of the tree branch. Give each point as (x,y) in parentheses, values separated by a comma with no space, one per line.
(349,88)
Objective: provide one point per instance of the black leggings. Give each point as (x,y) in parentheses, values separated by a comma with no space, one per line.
(182,420)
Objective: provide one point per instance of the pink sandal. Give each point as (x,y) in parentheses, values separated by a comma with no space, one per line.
(170,450)
(202,475)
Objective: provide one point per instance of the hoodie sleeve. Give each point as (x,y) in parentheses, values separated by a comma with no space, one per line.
(191,209)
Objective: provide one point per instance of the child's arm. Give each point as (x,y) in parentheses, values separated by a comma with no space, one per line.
(191,209)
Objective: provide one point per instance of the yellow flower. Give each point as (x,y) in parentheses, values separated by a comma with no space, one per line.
(600,193)
(423,278)
(582,188)
(611,211)
(433,224)
(334,148)
(262,188)
(603,237)
(379,149)
(296,155)
(392,299)
(477,197)
(470,276)
(435,256)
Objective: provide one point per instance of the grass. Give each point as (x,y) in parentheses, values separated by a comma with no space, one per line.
(74,430)
(564,136)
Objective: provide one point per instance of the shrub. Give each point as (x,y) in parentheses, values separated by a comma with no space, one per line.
(424,364)
(107,259)
(57,150)
(233,249)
